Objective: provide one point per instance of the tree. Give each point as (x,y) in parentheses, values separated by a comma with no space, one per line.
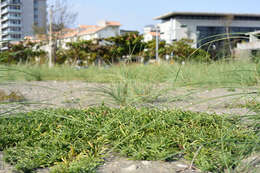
(40,32)
(182,51)
(126,45)
(61,17)
(23,52)
(150,51)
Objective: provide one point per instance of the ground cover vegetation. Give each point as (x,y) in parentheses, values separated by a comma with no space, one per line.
(78,140)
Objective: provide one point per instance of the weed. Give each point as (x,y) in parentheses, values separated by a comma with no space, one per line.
(131,93)
(231,89)
(13,96)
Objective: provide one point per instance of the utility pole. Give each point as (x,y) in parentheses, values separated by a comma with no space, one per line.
(157,43)
(50,39)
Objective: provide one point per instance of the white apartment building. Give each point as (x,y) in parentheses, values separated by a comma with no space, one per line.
(19,16)
(198,26)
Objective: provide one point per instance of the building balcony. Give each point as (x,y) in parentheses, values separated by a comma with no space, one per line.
(6,25)
(4,4)
(8,2)
(4,18)
(9,38)
(7,10)
(4,11)
(7,32)
(8,17)
(249,46)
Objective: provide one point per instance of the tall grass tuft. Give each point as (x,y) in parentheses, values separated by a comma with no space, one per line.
(233,73)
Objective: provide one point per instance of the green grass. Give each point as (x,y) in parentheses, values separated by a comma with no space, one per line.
(78,140)
(190,74)
(131,92)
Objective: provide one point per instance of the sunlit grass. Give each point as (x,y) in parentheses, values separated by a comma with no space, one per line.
(190,74)
(77,140)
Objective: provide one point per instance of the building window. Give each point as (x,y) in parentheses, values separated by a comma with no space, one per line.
(15,14)
(16,36)
(209,33)
(15,28)
(14,7)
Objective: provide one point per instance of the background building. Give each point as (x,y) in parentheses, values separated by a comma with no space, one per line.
(201,26)
(150,32)
(19,16)
(104,29)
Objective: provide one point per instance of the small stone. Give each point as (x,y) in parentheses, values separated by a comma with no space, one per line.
(130,168)
(146,163)
(182,166)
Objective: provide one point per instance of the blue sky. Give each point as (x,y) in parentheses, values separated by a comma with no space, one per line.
(135,14)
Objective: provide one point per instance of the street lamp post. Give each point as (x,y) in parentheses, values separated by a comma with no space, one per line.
(157,44)
(50,39)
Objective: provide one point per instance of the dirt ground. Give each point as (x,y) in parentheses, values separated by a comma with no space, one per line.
(76,94)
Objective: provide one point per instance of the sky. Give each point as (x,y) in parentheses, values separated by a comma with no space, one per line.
(135,14)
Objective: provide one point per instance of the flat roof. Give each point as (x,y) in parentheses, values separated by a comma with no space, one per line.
(174,14)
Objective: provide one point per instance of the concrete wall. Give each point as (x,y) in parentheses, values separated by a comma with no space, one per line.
(42,13)
(27,17)
(249,46)
(147,33)
(109,31)
(88,36)
(148,37)
(167,30)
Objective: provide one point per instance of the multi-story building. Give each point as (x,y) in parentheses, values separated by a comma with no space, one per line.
(200,27)
(150,33)
(19,16)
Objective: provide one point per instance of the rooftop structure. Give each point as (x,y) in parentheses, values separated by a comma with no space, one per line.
(204,15)
(201,26)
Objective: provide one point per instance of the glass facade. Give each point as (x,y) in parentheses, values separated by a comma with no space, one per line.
(209,33)
(36,11)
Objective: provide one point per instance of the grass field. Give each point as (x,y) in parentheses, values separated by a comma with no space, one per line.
(190,74)
(78,140)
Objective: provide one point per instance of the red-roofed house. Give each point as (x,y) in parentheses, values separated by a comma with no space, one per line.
(103,29)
